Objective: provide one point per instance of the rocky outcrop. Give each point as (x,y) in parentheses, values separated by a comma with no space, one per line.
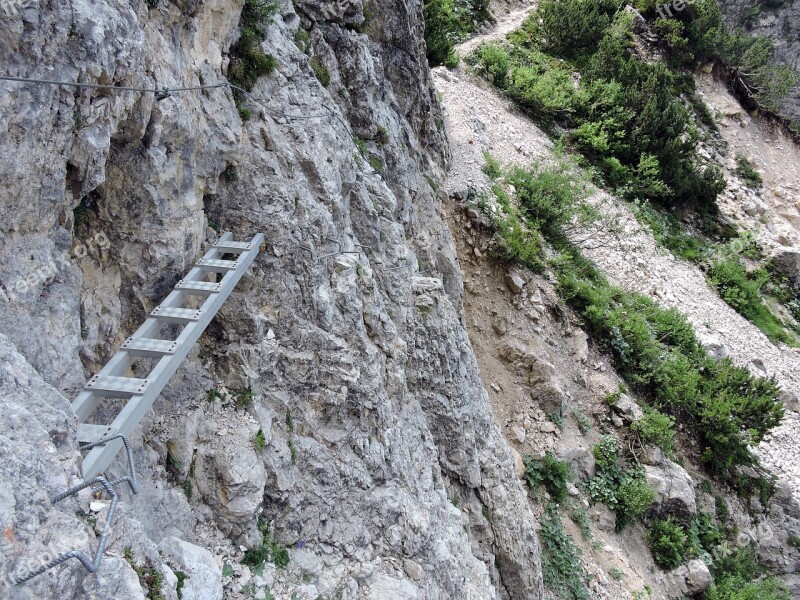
(674,493)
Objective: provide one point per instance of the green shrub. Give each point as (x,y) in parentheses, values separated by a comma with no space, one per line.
(550,472)
(656,428)
(549,198)
(542,87)
(491,60)
(320,71)
(704,534)
(625,492)
(655,349)
(606,452)
(517,243)
(627,117)
(561,566)
(248,60)
(448,22)
(259,440)
(737,576)
(244,398)
(670,233)
(738,589)
(668,543)
(270,550)
(634,495)
(492,167)
(750,59)
(745,170)
(570,28)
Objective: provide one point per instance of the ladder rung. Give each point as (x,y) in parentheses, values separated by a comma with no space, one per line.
(177,315)
(233,246)
(149,347)
(217,266)
(117,387)
(199,288)
(89,432)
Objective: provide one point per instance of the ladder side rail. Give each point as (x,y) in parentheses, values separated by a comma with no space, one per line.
(87,401)
(100,457)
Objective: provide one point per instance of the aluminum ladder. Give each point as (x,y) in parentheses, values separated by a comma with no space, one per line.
(150,341)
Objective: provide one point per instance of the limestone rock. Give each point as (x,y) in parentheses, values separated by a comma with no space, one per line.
(515,282)
(698,578)
(674,491)
(582,461)
(204,577)
(231,479)
(627,409)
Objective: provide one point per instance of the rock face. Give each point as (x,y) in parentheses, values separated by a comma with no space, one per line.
(360,371)
(780,23)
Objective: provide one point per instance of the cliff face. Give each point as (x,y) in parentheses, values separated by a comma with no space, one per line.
(779,21)
(381,460)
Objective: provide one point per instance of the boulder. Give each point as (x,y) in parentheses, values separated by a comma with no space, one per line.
(788,263)
(231,477)
(713,345)
(627,408)
(674,491)
(698,577)
(203,575)
(515,282)
(581,460)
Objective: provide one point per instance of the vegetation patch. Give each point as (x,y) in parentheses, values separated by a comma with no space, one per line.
(669,543)
(657,429)
(739,576)
(550,472)
(624,491)
(448,22)
(745,170)
(248,60)
(270,550)
(561,566)
(724,407)
(636,124)
(320,71)
(629,119)
(150,578)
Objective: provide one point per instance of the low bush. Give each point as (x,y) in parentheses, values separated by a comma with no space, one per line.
(270,550)
(448,22)
(550,472)
(491,61)
(626,117)
(625,492)
(704,534)
(492,168)
(745,170)
(656,428)
(725,407)
(668,543)
(742,291)
(739,576)
(248,60)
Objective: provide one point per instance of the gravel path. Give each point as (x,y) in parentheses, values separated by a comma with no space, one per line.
(478,120)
